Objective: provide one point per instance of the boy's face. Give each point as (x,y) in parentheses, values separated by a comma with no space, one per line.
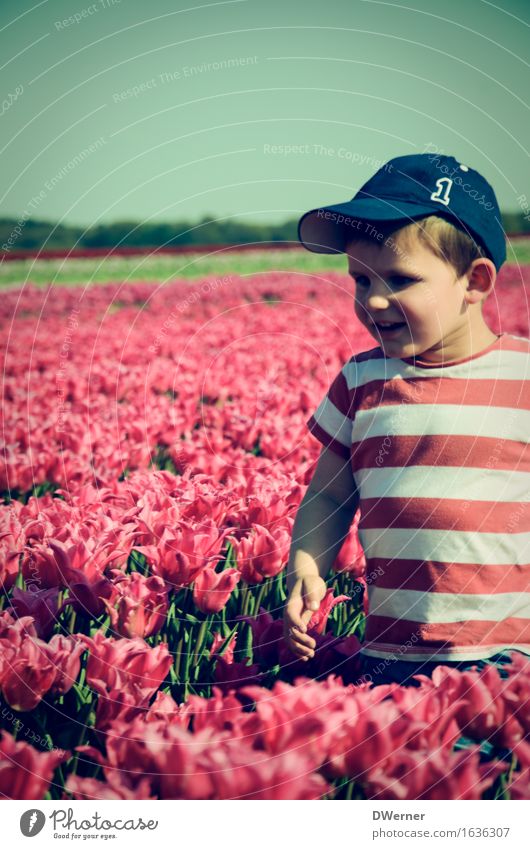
(400,280)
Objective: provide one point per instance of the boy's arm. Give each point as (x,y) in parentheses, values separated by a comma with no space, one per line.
(321,525)
(319,530)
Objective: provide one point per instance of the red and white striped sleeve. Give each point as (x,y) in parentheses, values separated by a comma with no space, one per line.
(331,423)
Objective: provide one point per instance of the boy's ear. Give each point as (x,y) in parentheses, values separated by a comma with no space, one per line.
(481,276)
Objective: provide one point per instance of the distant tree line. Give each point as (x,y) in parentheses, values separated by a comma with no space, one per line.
(36,234)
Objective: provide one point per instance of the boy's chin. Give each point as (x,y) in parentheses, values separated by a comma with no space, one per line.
(399,341)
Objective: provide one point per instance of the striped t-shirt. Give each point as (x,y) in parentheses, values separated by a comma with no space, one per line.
(440,455)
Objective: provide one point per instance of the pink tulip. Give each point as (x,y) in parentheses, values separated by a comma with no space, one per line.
(253,775)
(262,554)
(65,653)
(82,574)
(431,713)
(351,557)
(181,555)
(116,786)
(211,589)
(221,712)
(120,705)
(320,617)
(26,773)
(165,707)
(267,637)
(28,675)
(439,775)
(13,628)
(140,607)
(117,663)
(218,641)
(486,709)
(12,540)
(368,717)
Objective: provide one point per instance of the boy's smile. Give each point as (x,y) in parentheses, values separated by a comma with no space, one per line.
(413,303)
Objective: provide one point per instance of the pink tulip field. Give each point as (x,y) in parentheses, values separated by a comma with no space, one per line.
(155,453)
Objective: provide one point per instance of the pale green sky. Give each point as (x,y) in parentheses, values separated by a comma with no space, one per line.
(347,85)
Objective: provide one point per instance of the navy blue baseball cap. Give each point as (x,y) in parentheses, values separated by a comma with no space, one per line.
(407,188)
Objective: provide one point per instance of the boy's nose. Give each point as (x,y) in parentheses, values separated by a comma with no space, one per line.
(376,301)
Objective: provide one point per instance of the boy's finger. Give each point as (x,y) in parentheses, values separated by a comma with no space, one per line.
(302,639)
(295,638)
(294,618)
(300,651)
(306,617)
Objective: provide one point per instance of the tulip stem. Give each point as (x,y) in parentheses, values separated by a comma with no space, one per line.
(71,624)
(250,604)
(187,656)
(76,754)
(248,644)
(259,598)
(178,657)
(200,639)
(279,593)
(506,780)
(222,648)
(244,595)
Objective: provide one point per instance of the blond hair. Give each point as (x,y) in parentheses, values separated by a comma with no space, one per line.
(447,242)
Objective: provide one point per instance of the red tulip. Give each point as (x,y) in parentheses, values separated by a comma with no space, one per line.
(519,787)
(203,765)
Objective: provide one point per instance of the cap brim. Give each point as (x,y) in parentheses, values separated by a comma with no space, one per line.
(327,229)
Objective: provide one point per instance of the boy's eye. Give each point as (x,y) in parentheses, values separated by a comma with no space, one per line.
(398,280)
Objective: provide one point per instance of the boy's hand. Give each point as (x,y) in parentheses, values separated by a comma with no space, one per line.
(303,601)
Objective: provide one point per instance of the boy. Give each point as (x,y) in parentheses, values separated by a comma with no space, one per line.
(428,432)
